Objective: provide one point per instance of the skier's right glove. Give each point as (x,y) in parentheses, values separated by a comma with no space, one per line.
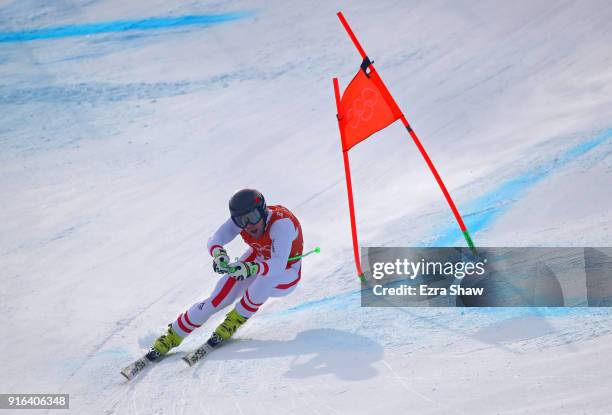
(220,260)
(241,270)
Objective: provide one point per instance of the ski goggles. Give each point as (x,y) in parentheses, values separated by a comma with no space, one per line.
(252,217)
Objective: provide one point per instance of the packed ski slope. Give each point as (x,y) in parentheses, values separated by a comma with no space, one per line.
(120,145)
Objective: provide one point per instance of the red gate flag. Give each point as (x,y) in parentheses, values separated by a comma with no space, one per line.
(365,108)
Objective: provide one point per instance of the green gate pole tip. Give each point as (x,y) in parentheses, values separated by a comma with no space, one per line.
(468,239)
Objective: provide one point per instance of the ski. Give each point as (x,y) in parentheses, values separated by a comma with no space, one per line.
(198,354)
(133,369)
(152,356)
(136,367)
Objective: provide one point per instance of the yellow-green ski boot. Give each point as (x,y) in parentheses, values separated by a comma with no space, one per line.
(169,340)
(225,330)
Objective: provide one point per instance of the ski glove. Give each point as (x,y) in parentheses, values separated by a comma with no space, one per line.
(241,270)
(220,260)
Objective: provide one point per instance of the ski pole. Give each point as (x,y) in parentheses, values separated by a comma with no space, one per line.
(313,251)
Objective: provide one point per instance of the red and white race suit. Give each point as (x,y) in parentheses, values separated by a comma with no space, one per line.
(277,276)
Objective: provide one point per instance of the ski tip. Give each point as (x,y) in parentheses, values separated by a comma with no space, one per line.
(127,378)
(187,361)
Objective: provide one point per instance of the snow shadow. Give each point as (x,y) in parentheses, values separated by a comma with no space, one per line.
(348,356)
(515,329)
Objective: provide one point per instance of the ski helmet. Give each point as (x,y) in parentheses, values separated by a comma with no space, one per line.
(247,206)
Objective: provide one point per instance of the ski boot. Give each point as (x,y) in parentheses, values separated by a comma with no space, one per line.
(225,330)
(164,343)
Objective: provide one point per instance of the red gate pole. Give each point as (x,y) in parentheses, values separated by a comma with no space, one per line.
(349,186)
(436,175)
(387,96)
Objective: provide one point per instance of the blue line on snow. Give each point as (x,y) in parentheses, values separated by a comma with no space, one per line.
(488,208)
(494,203)
(121,26)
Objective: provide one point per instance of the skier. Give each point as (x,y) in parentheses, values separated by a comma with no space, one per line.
(274,235)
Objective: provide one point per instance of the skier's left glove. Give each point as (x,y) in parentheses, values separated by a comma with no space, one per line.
(241,270)
(220,259)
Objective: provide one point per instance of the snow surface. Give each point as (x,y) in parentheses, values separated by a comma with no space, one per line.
(119,150)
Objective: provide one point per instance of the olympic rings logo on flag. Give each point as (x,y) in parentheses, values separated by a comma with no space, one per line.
(362,108)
